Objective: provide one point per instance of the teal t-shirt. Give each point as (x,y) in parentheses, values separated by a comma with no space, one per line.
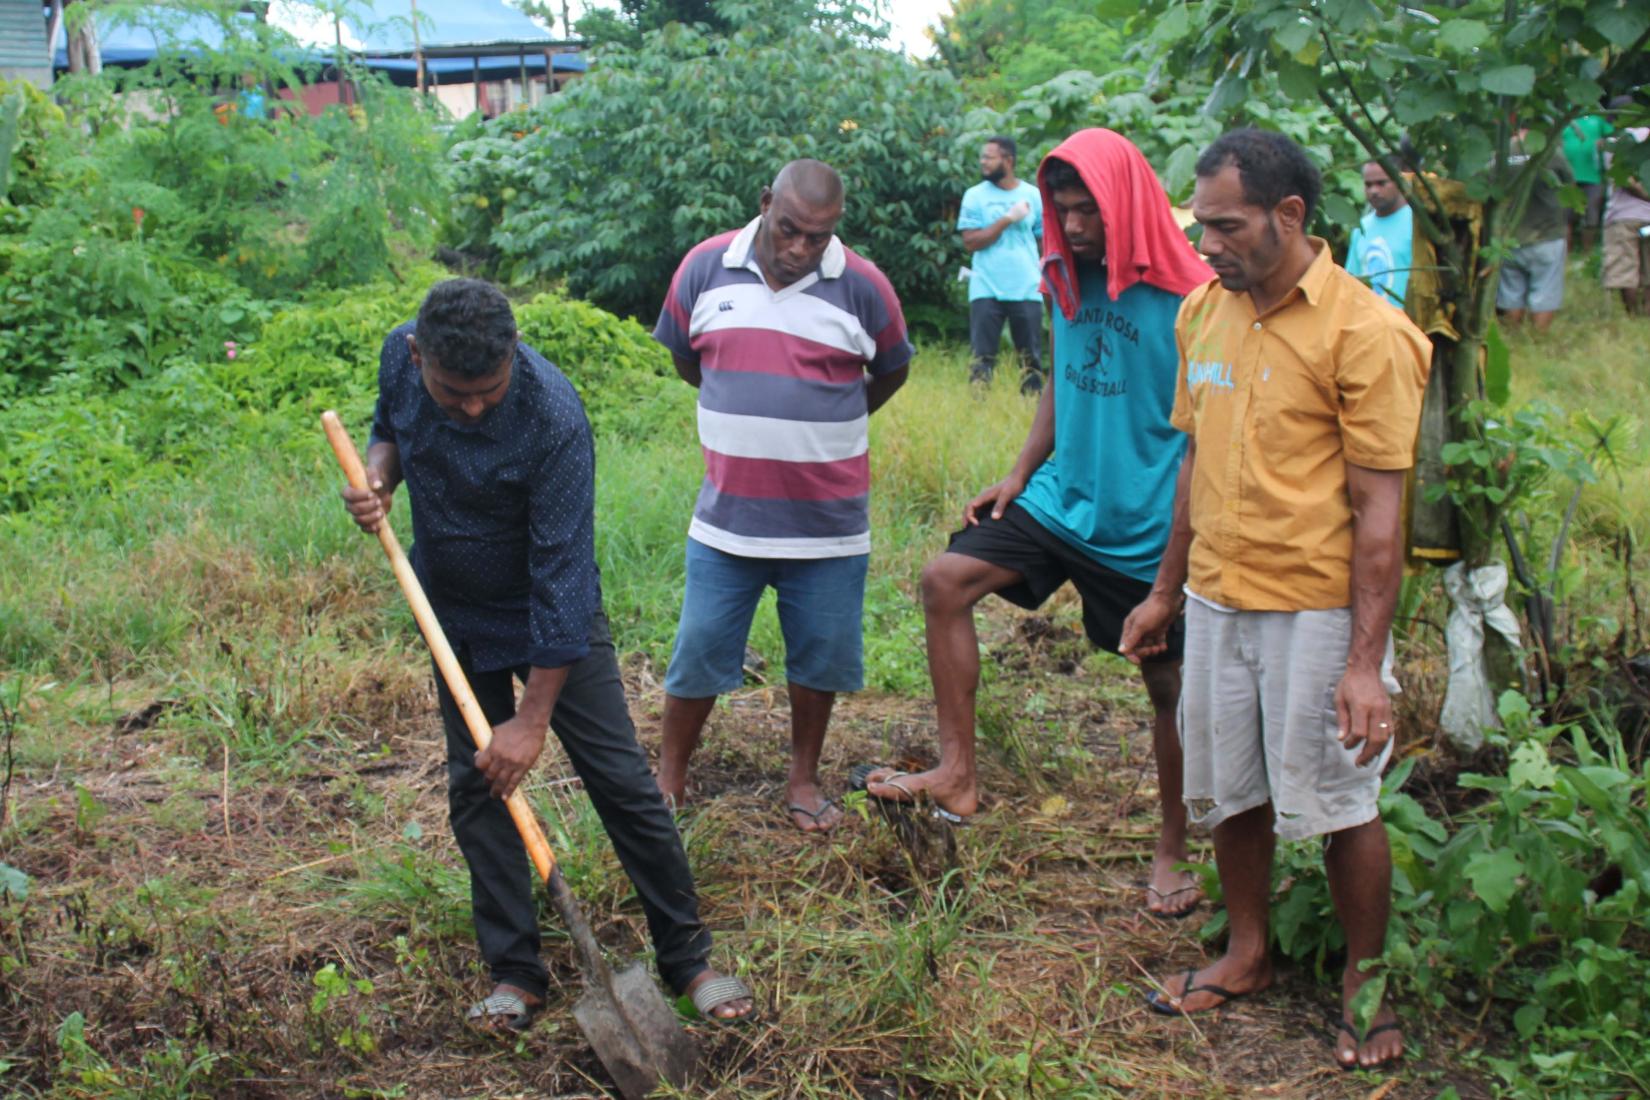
(1009,269)
(1108,488)
(1383,251)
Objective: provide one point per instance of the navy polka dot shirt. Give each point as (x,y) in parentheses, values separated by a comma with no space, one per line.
(503,511)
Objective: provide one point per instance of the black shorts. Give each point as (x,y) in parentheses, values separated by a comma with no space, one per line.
(1045,561)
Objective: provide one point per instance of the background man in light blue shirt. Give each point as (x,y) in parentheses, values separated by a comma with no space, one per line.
(1381,250)
(1002,224)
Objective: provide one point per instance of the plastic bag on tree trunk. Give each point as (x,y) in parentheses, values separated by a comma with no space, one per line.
(1478,602)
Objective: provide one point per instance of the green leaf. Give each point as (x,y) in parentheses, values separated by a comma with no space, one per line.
(1580,89)
(1528,1020)
(1620,24)
(13,883)
(1339,209)
(1172,26)
(1497,366)
(1290,39)
(1513,709)
(1462,35)
(1420,102)
(1298,82)
(1513,80)
(1530,767)
(1229,91)
(1179,170)
(1366,1002)
(1494,877)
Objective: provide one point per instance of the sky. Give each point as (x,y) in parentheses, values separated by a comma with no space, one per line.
(909,17)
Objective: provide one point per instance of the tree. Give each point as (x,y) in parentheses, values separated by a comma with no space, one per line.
(608,184)
(635,19)
(1455,81)
(1000,48)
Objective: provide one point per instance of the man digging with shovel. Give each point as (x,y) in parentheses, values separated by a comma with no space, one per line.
(496,453)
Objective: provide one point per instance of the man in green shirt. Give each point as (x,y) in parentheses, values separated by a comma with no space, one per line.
(1583,148)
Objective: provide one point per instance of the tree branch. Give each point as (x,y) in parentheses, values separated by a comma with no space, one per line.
(1382,150)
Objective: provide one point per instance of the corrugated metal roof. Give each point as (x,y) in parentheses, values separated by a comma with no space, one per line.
(442,23)
(375,27)
(22,35)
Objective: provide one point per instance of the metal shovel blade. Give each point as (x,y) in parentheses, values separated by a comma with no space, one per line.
(635,1033)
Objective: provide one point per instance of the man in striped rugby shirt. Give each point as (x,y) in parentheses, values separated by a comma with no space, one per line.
(792,340)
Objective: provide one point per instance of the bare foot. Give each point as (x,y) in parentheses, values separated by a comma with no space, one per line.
(727,1010)
(811,810)
(1202,990)
(1172,893)
(957,795)
(1380,1046)
(485,1017)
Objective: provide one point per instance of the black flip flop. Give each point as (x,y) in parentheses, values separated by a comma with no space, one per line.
(815,815)
(1182,914)
(1163,1006)
(1348,1067)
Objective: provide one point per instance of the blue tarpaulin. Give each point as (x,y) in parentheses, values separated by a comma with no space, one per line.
(506,41)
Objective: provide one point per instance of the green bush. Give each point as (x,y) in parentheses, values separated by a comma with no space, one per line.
(607,185)
(81,438)
(1536,899)
(127,241)
(623,375)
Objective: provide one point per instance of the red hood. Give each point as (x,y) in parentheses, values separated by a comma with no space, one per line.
(1143,243)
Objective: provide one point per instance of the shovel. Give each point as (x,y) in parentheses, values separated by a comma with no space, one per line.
(624,1017)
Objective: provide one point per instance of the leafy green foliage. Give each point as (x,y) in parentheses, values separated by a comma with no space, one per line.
(999,48)
(1479,89)
(608,185)
(1166,122)
(80,438)
(1536,898)
(635,19)
(1512,461)
(1446,78)
(143,235)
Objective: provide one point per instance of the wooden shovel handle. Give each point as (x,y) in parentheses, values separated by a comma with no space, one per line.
(538,848)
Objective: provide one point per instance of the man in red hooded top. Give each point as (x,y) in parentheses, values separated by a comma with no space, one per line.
(1090,497)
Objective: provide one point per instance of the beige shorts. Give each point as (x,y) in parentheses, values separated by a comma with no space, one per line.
(1626,256)
(1258,722)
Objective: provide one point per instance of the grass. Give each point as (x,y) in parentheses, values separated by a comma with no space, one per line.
(224,778)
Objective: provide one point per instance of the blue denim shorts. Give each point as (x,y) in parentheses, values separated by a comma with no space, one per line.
(821,612)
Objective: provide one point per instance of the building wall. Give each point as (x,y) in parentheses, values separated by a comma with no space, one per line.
(23,42)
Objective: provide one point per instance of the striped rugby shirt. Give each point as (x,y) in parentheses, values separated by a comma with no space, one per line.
(782,410)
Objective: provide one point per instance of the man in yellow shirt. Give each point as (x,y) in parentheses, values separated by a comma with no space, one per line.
(1300,390)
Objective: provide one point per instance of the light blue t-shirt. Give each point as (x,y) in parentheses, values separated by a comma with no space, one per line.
(1382,252)
(1008,269)
(1108,488)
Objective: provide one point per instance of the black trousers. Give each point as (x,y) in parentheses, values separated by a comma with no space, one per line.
(985,333)
(593,724)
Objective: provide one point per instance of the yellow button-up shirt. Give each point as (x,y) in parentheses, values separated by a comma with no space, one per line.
(1278,404)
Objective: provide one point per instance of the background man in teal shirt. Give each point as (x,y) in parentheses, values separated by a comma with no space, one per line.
(1382,249)
(1001,221)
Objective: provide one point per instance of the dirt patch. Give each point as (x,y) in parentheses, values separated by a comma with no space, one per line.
(306,932)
